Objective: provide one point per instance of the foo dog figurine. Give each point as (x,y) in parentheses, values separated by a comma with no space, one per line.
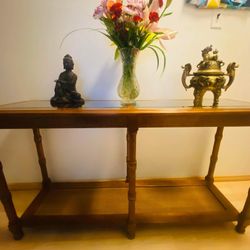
(209,76)
(65,89)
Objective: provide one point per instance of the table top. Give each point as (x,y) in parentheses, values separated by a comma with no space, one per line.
(44,105)
(155,113)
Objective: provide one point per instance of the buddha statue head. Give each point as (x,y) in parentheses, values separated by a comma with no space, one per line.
(68,62)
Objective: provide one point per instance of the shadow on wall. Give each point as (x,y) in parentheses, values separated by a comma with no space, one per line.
(177,152)
(106,82)
(85,154)
(19,160)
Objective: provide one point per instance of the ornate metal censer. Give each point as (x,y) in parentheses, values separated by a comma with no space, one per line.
(209,76)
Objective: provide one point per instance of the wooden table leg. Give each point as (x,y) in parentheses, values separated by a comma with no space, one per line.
(131,169)
(41,157)
(214,157)
(127,177)
(15,226)
(244,216)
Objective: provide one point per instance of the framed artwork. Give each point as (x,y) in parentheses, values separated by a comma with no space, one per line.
(213,4)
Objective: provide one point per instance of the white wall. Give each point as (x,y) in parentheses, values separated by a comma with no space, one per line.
(31,33)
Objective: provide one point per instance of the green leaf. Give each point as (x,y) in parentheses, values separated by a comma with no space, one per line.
(150,39)
(157,56)
(112,38)
(167,14)
(76,30)
(143,38)
(163,54)
(117,54)
(108,36)
(168,2)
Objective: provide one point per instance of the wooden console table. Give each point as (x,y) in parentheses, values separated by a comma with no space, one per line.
(163,201)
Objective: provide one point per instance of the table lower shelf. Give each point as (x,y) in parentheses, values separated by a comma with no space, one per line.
(165,202)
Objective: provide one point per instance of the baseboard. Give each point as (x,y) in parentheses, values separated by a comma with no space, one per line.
(232,178)
(24,186)
(171,181)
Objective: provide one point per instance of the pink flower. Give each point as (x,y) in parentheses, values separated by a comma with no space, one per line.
(149,11)
(156,5)
(132,11)
(167,34)
(99,11)
(134,8)
(138,4)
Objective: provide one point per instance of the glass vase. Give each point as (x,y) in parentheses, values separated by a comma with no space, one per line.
(128,88)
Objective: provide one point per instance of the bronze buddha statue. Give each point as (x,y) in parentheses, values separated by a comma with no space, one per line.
(65,89)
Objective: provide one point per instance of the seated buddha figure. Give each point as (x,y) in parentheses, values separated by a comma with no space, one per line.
(65,89)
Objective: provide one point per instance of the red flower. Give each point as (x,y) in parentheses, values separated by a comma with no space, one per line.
(160,3)
(116,10)
(137,19)
(154,17)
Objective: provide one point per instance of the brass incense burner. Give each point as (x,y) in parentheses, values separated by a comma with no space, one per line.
(209,76)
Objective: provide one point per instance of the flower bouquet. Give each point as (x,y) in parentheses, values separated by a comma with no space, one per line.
(132,25)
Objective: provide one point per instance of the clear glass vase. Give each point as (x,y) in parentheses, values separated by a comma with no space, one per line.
(128,88)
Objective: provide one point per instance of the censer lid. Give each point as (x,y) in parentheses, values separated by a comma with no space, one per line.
(210,65)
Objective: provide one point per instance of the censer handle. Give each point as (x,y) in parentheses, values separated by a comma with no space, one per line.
(231,73)
(186,72)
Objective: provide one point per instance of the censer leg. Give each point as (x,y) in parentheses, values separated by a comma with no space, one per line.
(198,97)
(217,94)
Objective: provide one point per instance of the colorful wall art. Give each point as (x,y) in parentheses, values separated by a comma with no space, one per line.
(213,4)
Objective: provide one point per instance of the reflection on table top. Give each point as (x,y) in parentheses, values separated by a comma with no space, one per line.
(140,105)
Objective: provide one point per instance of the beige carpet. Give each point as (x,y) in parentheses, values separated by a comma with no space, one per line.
(221,236)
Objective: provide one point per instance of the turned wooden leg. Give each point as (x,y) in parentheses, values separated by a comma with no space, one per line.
(15,226)
(131,167)
(41,157)
(127,159)
(244,216)
(214,157)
